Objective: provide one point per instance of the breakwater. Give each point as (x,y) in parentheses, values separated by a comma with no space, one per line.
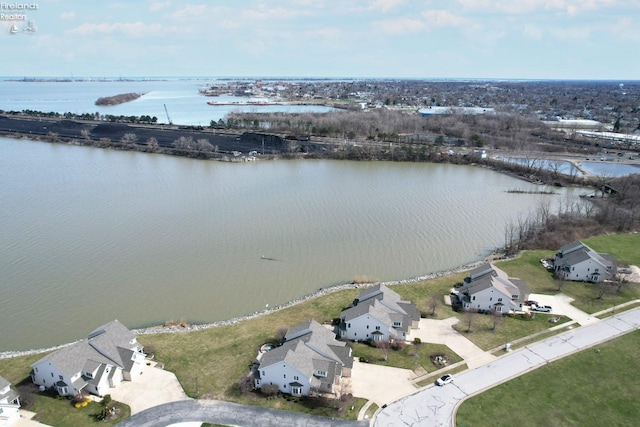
(161,329)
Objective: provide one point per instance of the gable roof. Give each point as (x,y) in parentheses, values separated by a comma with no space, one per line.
(111,344)
(383,304)
(310,347)
(577,252)
(493,277)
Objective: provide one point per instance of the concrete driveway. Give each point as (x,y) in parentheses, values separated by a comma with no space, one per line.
(153,387)
(442,332)
(380,384)
(561,304)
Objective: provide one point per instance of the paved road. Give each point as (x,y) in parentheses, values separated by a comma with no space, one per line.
(226,413)
(435,406)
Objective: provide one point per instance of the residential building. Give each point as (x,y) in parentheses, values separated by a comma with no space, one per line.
(109,355)
(487,288)
(378,314)
(9,402)
(309,361)
(578,262)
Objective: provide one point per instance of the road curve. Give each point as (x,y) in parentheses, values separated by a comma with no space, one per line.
(227,413)
(436,406)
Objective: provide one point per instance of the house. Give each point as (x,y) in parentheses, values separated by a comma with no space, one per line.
(309,361)
(109,355)
(378,314)
(577,261)
(9,402)
(487,288)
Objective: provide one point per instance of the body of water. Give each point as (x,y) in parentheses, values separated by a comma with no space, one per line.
(184,103)
(89,235)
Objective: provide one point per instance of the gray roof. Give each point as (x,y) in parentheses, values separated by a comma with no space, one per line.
(3,383)
(495,278)
(577,252)
(310,347)
(104,345)
(385,305)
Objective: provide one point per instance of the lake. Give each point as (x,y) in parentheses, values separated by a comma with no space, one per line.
(89,235)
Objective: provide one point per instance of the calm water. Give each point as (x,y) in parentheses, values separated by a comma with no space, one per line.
(184,103)
(89,235)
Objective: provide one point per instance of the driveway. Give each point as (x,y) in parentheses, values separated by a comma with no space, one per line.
(153,387)
(561,304)
(442,332)
(380,384)
(435,406)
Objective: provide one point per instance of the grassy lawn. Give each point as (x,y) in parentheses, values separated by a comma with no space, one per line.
(586,389)
(412,356)
(216,359)
(508,328)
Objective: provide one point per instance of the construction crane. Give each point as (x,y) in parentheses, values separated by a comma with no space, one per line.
(167,111)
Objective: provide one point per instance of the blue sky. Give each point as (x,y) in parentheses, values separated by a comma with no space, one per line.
(529,39)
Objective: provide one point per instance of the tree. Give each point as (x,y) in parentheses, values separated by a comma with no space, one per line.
(129,139)
(433,303)
(152,143)
(384,346)
(497,319)
(470,316)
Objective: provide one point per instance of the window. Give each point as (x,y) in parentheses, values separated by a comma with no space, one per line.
(377,328)
(297,390)
(321,373)
(295,377)
(474,298)
(367,326)
(51,374)
(61,378)
(491,299)
(397,324)
(285,375)
(348,325)
(499,299)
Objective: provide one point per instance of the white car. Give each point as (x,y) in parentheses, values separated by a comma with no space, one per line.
(543,308)
(445,379)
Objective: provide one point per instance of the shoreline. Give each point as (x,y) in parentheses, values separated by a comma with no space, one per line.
(161,329)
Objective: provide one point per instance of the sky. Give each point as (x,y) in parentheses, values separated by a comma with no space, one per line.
(483,39)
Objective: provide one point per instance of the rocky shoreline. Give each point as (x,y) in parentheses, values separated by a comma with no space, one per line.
(162,329)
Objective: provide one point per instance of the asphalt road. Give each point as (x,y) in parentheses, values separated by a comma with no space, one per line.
(226,413)
(435,406)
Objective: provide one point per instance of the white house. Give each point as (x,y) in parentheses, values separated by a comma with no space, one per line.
(109,355)
(378,314)
(310,360)
(577,261)
(487,288)
(9,402)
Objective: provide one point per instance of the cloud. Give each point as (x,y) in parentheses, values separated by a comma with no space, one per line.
(442,18)
(572,7)
(134,29)
(385,5)
(156,6)
(68,15)
(424,21)
(533,31)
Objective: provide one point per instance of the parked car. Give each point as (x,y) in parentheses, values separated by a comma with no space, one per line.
(530,303)
(445,379)
(543,308)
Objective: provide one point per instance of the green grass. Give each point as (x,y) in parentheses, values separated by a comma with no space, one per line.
(414,357)
(432,379)
(587,389)
(219,357)
(508,329)
(60,412)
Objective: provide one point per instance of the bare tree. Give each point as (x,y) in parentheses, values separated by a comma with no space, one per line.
(384,346)
(470,316)
(129,139)
(433,303)
(152,143)
(280,333)
(497,319)
(204,145)
(85,134)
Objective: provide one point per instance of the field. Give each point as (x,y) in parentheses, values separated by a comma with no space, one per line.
(595,387)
